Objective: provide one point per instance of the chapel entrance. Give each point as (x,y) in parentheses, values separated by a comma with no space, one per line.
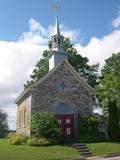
(65,116)
(66,122)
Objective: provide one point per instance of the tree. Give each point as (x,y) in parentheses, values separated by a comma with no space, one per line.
(88,128)
(113,123)
(40,70)
(3,124)
(44,124)
(79,63)
(109,94)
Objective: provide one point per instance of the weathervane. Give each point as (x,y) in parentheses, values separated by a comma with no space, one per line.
(56,7)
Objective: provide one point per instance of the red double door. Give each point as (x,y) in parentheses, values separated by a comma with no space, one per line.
(66,122)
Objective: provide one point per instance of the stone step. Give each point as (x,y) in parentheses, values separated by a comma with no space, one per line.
(79,144)
(81,147)
(87,154)
(84,150)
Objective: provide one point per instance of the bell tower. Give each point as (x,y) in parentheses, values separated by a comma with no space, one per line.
(57,52)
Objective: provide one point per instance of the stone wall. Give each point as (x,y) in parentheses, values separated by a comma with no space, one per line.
(61,87)
(23,117)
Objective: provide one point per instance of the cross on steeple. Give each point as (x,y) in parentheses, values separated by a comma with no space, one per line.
(56,7)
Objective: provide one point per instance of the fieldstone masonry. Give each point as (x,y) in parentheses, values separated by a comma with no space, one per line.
(48,94)
(60,86)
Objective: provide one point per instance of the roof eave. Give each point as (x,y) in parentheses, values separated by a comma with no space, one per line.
(22,95)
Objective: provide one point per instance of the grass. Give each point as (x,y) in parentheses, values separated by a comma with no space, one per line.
(57,152)
(24,152)
(105,149)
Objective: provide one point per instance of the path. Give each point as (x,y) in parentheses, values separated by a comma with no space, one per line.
(98,158)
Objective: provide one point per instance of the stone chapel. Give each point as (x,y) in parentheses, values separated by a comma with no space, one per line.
(61,91)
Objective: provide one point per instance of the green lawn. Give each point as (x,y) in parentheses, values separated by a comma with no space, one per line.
(105,149)
(12,152)
(58,152)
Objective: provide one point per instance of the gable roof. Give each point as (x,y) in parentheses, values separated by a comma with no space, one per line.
(70,68)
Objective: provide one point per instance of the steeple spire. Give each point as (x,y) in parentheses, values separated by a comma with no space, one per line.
(57,52)
(57,26)
(56,9)
(57,38)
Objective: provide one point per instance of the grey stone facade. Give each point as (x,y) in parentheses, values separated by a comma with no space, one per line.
(61,85)
(48,94)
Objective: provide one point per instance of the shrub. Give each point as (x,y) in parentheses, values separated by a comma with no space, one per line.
(34,141)
(92,138)
(11,134)
(17,139)
(45,125)
(88,129)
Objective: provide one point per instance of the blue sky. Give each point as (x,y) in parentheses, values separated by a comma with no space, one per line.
(91,17)
(27,25)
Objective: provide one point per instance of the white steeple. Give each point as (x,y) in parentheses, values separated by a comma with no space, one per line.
(57,53)
(57,29)
(57,26)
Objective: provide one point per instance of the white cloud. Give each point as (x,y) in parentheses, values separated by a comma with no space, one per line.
(116,21)
(36,35)
(11,111)
(72,34)
(97,50)
(36,27)
(19,58)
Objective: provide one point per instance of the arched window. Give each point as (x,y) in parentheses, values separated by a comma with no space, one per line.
(63,108)
(19,118)
(55,40)
(58,41)
(24,117)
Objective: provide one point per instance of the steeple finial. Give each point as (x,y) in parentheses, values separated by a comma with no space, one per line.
(56,9)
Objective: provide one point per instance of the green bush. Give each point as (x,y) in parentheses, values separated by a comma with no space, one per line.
(90,138)
(34,141)
(17,139)
(88,129)
(45,125)
(11,134)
